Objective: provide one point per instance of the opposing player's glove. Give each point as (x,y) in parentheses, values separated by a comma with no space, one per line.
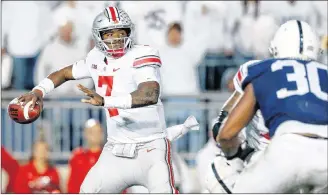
(223,114)
(243,152)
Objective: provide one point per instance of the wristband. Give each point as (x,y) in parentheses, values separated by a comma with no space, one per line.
(122,102)
(46,86)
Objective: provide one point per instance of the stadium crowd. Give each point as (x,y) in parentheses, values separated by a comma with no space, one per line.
(200,42)
(201,45)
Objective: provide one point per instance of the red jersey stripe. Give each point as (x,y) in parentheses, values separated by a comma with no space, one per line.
(239,76)
(147,60)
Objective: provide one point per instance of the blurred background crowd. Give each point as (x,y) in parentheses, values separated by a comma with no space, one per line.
(201,45)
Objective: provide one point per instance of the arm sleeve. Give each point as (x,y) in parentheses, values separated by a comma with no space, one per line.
(146,66)
(147,73)
(80,70)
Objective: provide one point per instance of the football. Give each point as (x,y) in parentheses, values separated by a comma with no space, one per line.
(23,114)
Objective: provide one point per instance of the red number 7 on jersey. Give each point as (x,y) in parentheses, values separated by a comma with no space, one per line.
(108,81)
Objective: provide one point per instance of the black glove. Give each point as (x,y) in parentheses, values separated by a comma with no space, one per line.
(242,153)
(223,114)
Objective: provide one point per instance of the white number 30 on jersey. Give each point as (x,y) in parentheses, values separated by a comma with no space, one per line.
(306,78)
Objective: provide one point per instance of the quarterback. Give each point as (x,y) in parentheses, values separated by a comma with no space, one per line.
(127,82)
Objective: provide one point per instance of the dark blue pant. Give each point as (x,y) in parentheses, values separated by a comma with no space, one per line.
(23,72)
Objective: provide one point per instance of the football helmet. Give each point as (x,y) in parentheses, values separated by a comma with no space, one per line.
(295,39)
(113,18)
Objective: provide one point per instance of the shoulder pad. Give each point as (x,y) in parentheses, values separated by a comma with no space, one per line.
(146,56)
(241,74)
(95,52)
(254,70)
(243,67)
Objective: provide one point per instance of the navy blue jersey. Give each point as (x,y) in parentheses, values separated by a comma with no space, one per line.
(288,89)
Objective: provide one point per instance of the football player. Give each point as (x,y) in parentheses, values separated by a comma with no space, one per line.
(127,81)
(290,90)
(222,172)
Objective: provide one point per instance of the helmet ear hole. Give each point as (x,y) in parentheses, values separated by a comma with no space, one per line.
(128,31)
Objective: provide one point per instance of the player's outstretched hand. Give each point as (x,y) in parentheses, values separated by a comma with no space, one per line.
(34,96)
(95,99)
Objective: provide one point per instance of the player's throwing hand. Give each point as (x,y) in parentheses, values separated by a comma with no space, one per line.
(95,98)
(34,96)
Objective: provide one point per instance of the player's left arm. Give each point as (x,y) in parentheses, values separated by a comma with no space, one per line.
(239,117)
(227,107)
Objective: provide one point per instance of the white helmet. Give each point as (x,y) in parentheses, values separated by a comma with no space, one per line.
(112,18)
(295,39)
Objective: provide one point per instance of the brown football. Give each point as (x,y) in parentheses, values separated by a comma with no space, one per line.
(23,114)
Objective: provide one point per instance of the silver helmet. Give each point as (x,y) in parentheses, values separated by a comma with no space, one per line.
(112,18)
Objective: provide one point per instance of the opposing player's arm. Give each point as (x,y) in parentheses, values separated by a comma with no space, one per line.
(239,117)
(234,98)
(228,105)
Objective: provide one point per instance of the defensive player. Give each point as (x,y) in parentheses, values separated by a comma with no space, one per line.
(291,92)
(127,82)
(223,172)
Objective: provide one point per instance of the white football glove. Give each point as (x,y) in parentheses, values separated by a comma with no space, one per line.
(177,131)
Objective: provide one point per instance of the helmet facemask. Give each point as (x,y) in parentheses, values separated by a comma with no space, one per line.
(114,44)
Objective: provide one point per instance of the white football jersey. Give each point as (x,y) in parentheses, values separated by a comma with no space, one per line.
(114,77)
(257,135)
